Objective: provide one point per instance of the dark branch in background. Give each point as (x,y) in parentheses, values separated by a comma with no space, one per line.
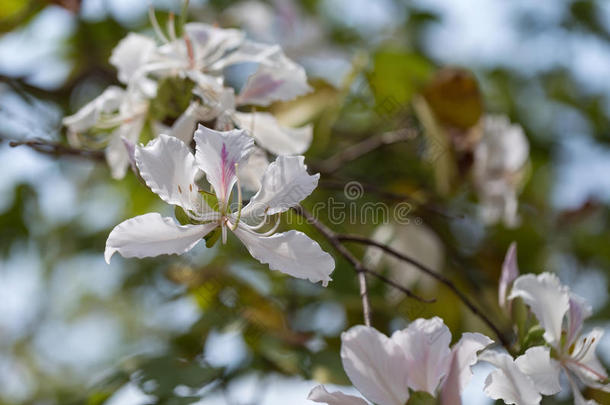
(390,195)
(439,277)
(335,162)
(59,149)
(333,239)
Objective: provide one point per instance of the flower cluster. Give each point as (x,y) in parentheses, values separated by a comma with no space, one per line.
(195,63)
(388,370)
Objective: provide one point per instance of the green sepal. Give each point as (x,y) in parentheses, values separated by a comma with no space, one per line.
(212,237)
(181,216)
(533,337)
(210,199)
(421,398)
(173,98)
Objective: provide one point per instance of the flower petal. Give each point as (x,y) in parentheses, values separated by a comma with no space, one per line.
(292,253)
(283,80)
(152,235)
(320,394)
(217,153)
(508,382)
(107,102)
(465,355)
(548,300)
(584,362)
(168,167)
(579,311)
(131,53)
(209,42)
(285,184)
(376,365)
(252,172)
(272,136)
(510,271)
(537,364)
(425,343)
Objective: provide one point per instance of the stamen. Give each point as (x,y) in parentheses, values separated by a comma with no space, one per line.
(171,26)
(260,225)
(155,24)
(179,189)
(599,376)
(189,51)
(272,230)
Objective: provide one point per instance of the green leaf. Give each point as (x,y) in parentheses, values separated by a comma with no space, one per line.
(173,97)
(212,237)
(396,77)
(181,216)
(421,398)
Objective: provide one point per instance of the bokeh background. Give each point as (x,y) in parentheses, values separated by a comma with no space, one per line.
(214,326)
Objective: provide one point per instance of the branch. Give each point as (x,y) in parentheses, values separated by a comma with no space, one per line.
(332,237)
(390,195)
(439,277)
(335,162)
(59,149)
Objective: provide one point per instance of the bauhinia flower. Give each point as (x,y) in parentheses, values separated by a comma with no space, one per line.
(120,114)
(500,158)
(171,171)
(419,358)
(561,314)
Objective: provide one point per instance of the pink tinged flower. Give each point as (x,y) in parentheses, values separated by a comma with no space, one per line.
(510,271)
(521,381)
(562,313)
(170,169)
(383,369)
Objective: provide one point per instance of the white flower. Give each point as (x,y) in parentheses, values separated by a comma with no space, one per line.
(171,170)
(384,368)
(499,158)
(120,113)
(561,314)
(510,271)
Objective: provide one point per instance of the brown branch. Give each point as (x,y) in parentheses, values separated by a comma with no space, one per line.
(332,238)
(335,162)
(59,149)
(439,277)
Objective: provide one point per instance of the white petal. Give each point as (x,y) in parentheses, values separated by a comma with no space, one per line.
(584,362)
(537,364)
(131,53)
(579,311)
(168,167)
(117,154)
(451,391)
(282,81)
(465,355)
(292,253)
(547,299)
(185,125)
(321,395)
(425,343)
(88,116)
(249,52)
(508,382)
(272,136)
(252,172)
(578,398)
(210,42)
(152,235)
(375,365)
(510,271)
(217,153)
(285,184)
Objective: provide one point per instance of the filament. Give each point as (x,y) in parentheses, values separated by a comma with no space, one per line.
(155,24)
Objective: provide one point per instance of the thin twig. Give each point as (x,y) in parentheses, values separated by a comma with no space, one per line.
(338,160)
(59,149)
(439,277)
(331,236)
